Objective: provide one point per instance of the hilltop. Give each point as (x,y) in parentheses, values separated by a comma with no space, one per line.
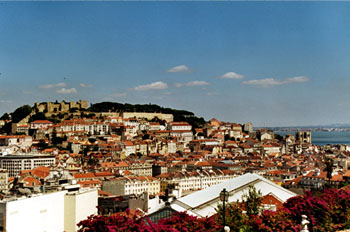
(56,112)
(179,115)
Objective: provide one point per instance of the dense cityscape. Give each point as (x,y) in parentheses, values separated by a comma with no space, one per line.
(174,116)
(66,161)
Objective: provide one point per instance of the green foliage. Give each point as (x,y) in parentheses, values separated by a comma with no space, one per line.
(55,140)
(146,136)
(60,115)
(54,120)
(5,116)
(234,216)
(37,116)
(20,113)
(42,144)
(252,201)
(73,110)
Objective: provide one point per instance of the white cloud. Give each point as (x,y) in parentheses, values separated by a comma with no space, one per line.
(192,83)
(118,95)
(49,86)
(180,68)
(270,82)
(85,85)
(5,101)
(212,94)
(231,75)
(67,91)
(296,79)
(159,85)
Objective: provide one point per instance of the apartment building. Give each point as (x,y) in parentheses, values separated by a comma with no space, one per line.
(132,185)
(189,181)
(15,163)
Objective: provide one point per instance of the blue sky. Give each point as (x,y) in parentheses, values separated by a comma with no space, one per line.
(271,63)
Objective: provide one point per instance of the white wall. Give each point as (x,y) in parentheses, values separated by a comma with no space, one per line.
(78,206)
(42,213)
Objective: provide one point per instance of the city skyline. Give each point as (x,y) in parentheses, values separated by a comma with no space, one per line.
(270,63)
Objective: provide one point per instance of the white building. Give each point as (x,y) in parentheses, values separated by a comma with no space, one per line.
(37,213)
(14,164)
(132,185)
(40,124)
(49,212)
(196,180)
(129,148)
(78,205)
(204,203)
(23,141)
(3,179)
(179,126)
(184,136)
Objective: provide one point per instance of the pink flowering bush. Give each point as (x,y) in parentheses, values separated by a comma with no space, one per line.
(327,211)
(119,222)
(128,222)
(270,221)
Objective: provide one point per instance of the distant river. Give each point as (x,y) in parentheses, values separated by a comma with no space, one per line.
(324,137)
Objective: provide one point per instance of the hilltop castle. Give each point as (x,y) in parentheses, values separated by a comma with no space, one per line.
(56,107)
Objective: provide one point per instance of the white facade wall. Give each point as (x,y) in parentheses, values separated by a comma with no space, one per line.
(125,187)
(172,147)
(270,150)
(3,179)
(199,182)
(129,150)
(43,213)
(11,141)
(180,127)
(24,162)
(78,206)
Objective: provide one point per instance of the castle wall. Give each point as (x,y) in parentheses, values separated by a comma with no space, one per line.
(149,116)
(51,107)
(64,106)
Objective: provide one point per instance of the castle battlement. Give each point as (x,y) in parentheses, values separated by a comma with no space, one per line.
(56,107)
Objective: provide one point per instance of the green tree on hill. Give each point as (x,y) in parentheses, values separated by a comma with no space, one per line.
(179,115)
(20,113)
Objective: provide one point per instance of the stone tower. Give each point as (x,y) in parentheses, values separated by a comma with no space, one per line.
(303,136)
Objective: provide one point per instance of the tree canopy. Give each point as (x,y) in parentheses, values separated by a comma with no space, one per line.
(179,115)
(21,113)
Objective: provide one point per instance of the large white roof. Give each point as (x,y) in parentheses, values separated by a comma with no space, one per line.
(204,202)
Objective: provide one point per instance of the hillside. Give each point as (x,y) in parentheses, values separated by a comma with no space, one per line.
(27,111)
(179,115)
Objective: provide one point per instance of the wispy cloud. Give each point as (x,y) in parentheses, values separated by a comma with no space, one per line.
(6,101)
(67,91)
(231,75)
(159,85)
(117,95)
(180,68)
(49,86)
(212,94)
(85,85)
(192,83)
(270,82)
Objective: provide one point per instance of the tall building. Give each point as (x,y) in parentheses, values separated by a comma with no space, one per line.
(248,127)
(303,136)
